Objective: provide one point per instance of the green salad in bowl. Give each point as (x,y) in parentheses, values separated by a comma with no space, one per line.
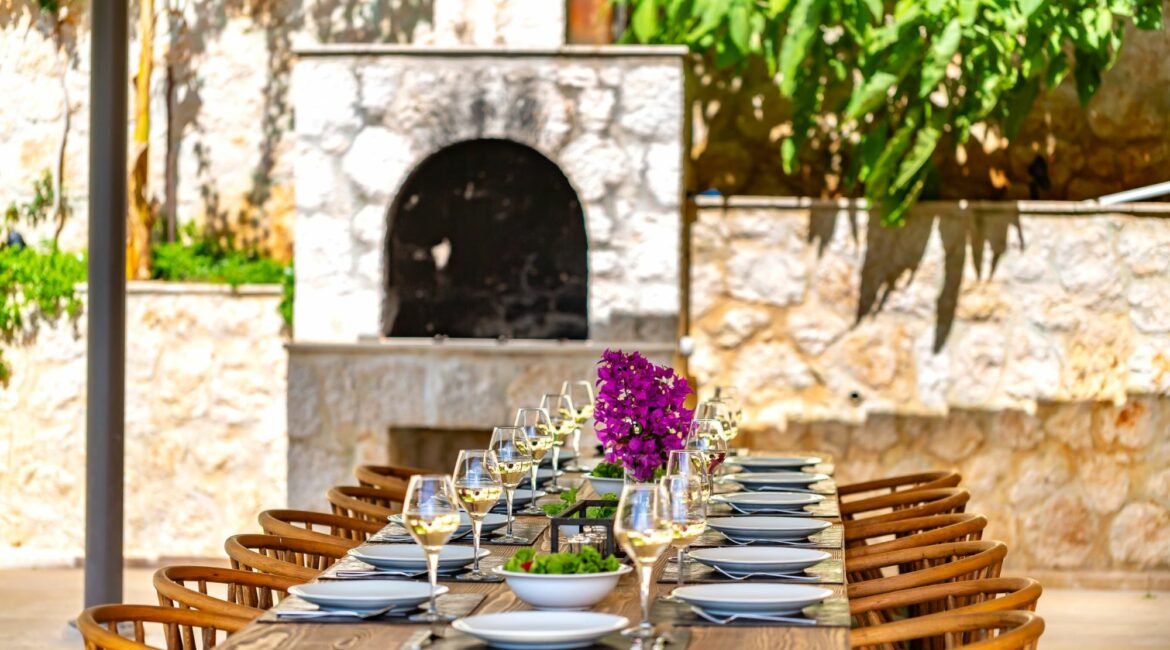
(563,581)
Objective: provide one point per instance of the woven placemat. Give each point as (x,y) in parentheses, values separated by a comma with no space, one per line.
(831,571)
(833,612)
(452,604)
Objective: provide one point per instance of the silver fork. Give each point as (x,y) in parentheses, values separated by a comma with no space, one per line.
(723,620)
(329,613)
(771,542)
(785,576)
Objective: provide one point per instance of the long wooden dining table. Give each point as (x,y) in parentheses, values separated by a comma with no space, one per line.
(497,597)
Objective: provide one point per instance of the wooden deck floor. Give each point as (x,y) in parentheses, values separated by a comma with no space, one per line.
(35,605)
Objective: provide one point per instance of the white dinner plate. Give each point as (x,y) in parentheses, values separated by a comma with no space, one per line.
(752,597)
(757,480)
(767,527)
(490,523)
(367,595)
(519,500)
(410,557)
(759,559)
(771,463)
(755,501)
(540,630)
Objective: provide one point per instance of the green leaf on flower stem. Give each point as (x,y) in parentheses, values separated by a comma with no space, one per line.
(739,28)
(870,94)
(1029,7)
(925,142)
(942,50)
(875,9)
(968,11)
(644,21)
(803,25)
(788,155)
(878,183)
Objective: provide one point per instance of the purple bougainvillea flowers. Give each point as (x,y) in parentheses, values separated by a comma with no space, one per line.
(639,412)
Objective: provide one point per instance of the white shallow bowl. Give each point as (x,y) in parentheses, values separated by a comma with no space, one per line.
(752,597)
(360,595)
(753,501)
(490,523)
(562,591)
(540,630)
(410,557)
(757,480)
(771,463)
(752,559)
(767,527)
(605,485)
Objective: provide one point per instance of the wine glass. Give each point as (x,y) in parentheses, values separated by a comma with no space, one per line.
(511,449)
(642,527)
(690,462)
(478,486)
(431,514)
(560,412)
(581,394)
(687,511)
(717,409)
(730,395)
(539,439)
(707,436)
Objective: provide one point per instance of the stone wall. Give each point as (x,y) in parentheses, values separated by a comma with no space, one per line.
(1027,345)
(205,428)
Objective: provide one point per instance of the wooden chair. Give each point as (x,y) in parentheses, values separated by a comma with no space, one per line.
(963,597)
(183,629)
(248,593)
(904,505)
(386,477)
(1011,630)
(869,539)
(925,565)
(366,503)
(922,481)
(290,557)
(318,526)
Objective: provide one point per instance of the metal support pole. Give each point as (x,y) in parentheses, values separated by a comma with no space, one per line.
(106,311)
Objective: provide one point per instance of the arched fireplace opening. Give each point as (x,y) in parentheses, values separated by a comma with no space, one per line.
(487,239)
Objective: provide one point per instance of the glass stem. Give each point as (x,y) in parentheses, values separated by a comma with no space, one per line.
(476,526)
(645,571)
(532,501)
(681,558)
(510,492)
(577,447)
(556,456)
(433,576)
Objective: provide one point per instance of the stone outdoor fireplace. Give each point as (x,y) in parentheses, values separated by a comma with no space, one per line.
(473,227)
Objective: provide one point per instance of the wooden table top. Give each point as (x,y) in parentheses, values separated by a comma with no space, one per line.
(623,600)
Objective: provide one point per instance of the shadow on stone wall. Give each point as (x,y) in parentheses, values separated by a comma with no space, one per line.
(893,254)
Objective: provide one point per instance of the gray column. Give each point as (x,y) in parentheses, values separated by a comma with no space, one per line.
(106,361)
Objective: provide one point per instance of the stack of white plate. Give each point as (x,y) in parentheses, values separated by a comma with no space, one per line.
(776,480)
(773,463)
(491,522)
(764,598)
(367,595)
(744,560)
(540,630)
(754,529)
(749,502)
(410,557)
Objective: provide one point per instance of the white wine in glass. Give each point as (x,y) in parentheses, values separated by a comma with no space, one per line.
(581,394)
(431,514)
(716,409)
(538,436)
(643,529)
(707,436)
(690,462)
(479,486)
(560,413)
(687,511)
(509,445)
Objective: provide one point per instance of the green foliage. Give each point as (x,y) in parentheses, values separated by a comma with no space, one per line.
(587,561)
(901,80)
(35,287)
(608,470)
(36,210)
(569,497)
